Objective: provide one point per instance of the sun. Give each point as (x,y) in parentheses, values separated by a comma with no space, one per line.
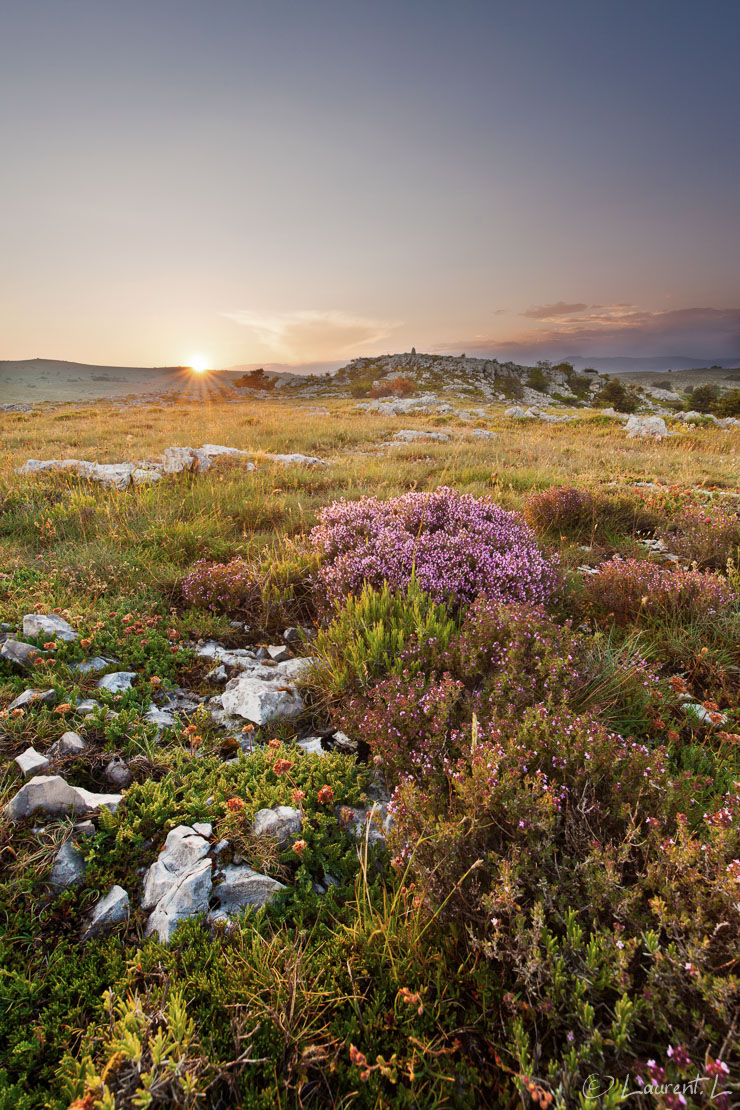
(199,363)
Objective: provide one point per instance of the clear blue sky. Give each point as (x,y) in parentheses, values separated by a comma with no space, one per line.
(291,181)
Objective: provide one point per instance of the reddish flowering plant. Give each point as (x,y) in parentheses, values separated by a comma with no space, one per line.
(325,796)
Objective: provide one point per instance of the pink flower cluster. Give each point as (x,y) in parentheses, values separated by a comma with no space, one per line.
(458,546)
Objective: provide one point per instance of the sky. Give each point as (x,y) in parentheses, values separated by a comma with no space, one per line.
(246,181)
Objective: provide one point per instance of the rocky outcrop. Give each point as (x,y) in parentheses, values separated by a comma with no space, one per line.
(239,889)
(179,883)
(412,435)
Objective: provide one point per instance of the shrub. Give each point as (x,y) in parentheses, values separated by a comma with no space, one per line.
(537,379)
(560,850)
(456,545)
(634,592)
(271,596)
(371,635)
(617,396)
(395,387)
(729,405)
(561,509)
(702,398)
(504,660)
(709,537)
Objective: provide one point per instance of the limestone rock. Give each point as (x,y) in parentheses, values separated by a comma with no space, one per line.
(188,896)
(22,654)
(372,823)
(48,625)
(30,762)
(117,682)
(88,705)
(282,822)
(53,795)
(117,773)
(241,888)
(650,427)
(111,910)
(33,697)
(302,460)
(411,435)
(261,695)
(91,666)
(69,867)
(312,745)
(177,459)
(183,851)
(69,744)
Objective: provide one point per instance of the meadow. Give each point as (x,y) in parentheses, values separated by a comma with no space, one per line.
(556,899)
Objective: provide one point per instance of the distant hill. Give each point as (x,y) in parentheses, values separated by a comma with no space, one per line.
(660,364)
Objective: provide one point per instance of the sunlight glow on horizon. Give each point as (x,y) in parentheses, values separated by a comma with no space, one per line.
(199,364)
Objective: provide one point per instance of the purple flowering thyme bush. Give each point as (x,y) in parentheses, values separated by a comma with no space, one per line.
(458,546)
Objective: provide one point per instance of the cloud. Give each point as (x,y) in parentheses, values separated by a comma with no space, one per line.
(550,311)
(313,333)
(621,329)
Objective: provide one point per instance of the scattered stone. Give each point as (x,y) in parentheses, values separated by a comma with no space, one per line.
(372,823)
(483,433)
(111,910)
(87,705)
(203,828)
(30,762)
(22,654)
(693,709)
(293,635)
(48,625)
(342,743)
(651,427)
(177,459)
(262,694)
(118,773)
(91,666)
(117,682)
(53,795)
(241,888)
(84,829)
(162,718)
(188,896)
(302,460)
(282,822)
(312,745)
(69,867)
(241,658)
(218,674)
(278,653)
(33,697)
(411,435)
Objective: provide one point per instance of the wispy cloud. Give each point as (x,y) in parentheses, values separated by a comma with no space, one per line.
(552,311)
(616,329)
(313,333)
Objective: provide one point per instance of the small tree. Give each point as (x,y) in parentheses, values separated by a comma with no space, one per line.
(617,396)
(702,399)
(729,405)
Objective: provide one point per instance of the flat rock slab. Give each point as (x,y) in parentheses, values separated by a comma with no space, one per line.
(53,795)
(300,460)
(69,744)
(411,435)
(49,625)
(91,666)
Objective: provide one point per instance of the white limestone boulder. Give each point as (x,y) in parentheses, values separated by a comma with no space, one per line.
(53,795)
(49,625)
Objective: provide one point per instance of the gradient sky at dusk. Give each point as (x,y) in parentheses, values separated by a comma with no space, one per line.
(311,180)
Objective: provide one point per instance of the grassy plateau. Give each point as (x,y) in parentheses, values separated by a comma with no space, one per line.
(550,913)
